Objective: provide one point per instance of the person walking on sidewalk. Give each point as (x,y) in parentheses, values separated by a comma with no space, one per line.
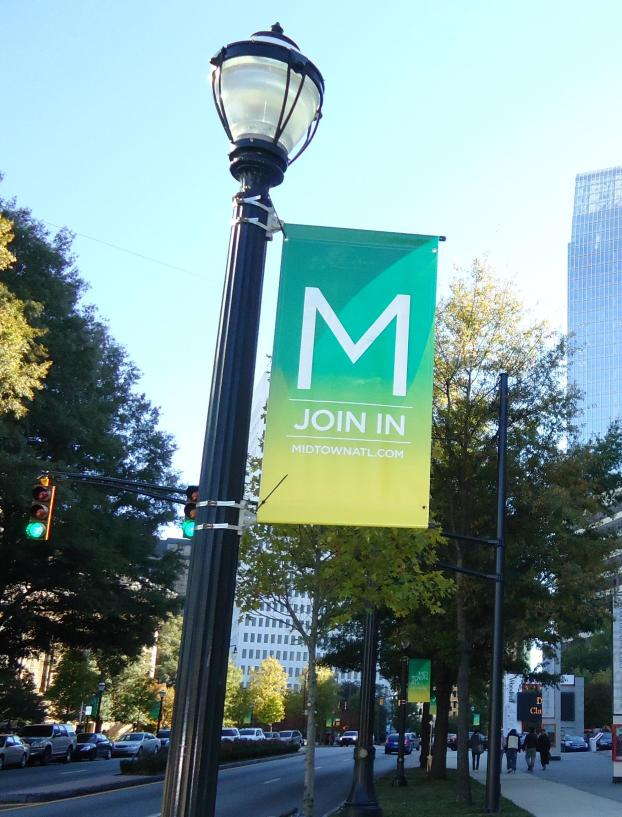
(531,747)
(476,745)
(544,747)
(512,748)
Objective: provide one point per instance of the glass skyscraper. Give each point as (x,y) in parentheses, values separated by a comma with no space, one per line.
(595,297)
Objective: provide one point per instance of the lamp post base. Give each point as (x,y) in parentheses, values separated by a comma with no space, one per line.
(362,801)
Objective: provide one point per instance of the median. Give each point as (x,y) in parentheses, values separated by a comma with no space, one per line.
(434,797)
(229,752)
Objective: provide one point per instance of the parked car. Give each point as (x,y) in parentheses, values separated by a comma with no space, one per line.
(292,736)
(136,744)
(13,752)
(349,738)
(164,736)
(604,742)
(415,740)
(229,734)
(49,741)
(392,744)
(252,733)
(575,743)
(91,745)
(272,735)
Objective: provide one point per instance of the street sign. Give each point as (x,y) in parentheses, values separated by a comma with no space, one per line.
(349,416)
(88,710)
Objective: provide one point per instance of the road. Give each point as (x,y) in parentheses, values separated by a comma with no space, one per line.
(263,789)
(70,774)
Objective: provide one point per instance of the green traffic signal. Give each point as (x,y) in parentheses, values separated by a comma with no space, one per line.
(35,530)
(187,527)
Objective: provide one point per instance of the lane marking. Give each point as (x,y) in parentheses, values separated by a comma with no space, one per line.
(273,780)
(76,771)
(18,806)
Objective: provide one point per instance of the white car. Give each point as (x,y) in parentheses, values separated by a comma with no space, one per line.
(13,752)
(228,734)
(349,738)
(136,744)
(252,734)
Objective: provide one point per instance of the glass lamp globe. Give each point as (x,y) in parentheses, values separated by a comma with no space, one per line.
(268,95)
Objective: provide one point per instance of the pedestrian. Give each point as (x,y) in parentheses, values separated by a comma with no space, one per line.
(531,747)
(512,748)
(544,747)
(477,747)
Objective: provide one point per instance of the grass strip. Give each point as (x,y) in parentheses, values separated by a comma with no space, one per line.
(424,797)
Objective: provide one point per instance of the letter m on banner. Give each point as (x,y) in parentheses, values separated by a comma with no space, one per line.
(398,310)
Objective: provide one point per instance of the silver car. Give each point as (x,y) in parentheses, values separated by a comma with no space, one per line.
(49,741)
(13,752)
(229,734)
(136,744)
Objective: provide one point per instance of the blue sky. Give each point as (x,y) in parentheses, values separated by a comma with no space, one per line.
(468,119)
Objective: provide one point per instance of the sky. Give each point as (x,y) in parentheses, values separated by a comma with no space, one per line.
(465,119)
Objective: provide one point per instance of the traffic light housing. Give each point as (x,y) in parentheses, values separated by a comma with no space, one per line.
(41,509)
(190,511)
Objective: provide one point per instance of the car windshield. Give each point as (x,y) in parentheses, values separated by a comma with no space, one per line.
(44,730)
(86,738)
(164,733)
(285,734)
(133,736)
(350,733)
(575,737)
(228,732)
(247,731)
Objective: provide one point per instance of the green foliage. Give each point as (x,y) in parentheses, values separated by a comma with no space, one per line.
(169,640)
(95,582)
(239,708)
(267,691)
(75,683)
(588,655)
(597,700)
(133,694)
(327,697)
(19,701)
(23,364)
(233,693)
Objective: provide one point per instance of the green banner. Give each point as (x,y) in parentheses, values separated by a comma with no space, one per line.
(419,672)
(476,718)
(350,404)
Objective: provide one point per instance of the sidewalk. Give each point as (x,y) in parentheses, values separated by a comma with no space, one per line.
(542,797)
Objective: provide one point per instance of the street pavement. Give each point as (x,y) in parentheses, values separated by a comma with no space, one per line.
(576,786)
(262,789)
(43,778)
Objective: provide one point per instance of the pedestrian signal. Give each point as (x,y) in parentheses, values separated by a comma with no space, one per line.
(190,511)
(41,509)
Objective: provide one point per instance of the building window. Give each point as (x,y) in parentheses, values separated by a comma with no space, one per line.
(252,636)
(265,653)
(243,653)
(297,671)
(265,638)
(298,656)
(271,653)
(278,653)
(245,636)
(272,638)
(567,706)
(280,639)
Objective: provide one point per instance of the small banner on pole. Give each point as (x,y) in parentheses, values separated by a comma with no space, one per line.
(419,672)
(349,414)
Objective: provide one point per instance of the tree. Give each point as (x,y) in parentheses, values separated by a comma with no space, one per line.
(169,640)
(233,694)
(267,691)
(327,698)
(132,696)
(597,699)
(19,701)
(588,654)
(339,571)
(557,488)
(95,582)
(75,683)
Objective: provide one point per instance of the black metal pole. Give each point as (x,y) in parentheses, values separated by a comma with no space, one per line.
(160,715)
(98,719)
(400,778)
(192,769)
(493,769)
(362,801)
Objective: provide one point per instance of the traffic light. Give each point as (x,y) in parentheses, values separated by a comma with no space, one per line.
(41,509)
(190,511)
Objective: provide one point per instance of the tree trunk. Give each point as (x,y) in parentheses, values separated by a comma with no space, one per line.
(464,667)
(425,736)
(439,755)
(308,791)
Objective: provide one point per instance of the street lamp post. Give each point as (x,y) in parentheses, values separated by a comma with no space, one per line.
(400,778)
(101,688)
(161,696)
(362,801)
(268,96)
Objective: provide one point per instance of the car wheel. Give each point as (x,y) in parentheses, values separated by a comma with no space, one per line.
(23,761)
(93,755)
(108,754)
(46,757)
(139,753)
(67,757)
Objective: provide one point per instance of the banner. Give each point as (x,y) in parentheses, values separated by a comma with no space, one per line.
(350,406)
(419,672)
(529,707)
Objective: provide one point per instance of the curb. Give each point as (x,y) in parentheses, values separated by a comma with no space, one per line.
(38,798)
